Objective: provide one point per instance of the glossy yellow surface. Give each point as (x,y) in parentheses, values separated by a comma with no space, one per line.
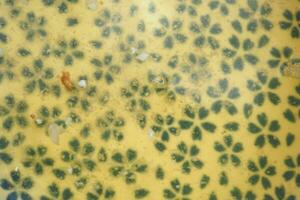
(229,57)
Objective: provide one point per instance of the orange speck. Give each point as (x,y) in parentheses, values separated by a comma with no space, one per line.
(66,81)
(32,116)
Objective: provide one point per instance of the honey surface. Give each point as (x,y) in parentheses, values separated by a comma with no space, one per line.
(150,99)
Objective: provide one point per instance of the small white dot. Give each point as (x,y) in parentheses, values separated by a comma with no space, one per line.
(142,56)
(39,121)
(82,83)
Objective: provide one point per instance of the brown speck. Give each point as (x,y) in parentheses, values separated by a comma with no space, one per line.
(32,116)
(66,81)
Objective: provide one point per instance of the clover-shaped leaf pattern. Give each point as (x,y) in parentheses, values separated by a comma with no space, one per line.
(222,6)
(63,6)
(47,115)
(190,122)
(18,186)
(241,51)
(135,96)
(105,69)
(178,190)
(206,32)
(169,30)
(5,157)
(33,26)
(131,48)
(187,157)
(111,126)
(271,84)
(256,13)
(292,172)
(78,157)
(100,191)
(290,22)
(265,130)
(164,127)
(294,101)
(55,191)
(127,166)
(3,36)
(167,85)
(109,23)
(182,100)
(261,172)
(279,56)
(229,151)
(224,96)
(279,194)
(39,77)
(193,66)
(36,158)
(12,112)
(190,7)
(68,51)
(237,194)
(6,69)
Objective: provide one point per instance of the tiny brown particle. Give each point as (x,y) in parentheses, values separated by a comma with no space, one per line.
(66,81)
